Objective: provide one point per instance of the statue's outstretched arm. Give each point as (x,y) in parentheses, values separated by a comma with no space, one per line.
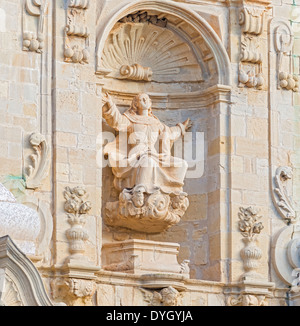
(112,115)
(180,129)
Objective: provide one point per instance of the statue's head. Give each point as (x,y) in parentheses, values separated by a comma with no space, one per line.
(141,102)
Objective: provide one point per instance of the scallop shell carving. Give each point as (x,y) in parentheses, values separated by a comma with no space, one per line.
(10,297)
(156,49)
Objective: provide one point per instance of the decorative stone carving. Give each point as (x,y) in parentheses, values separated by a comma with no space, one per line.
(77,207)
(144,17)
(136,72)
(81,4)
(251,78)
(250,228)
(20,282)
(247,300)
(288,81)
(167,297)
(249,52)
(40,161)
(251,20)
(73,291)
(158,210)
(284,204)
(283,42)
(18,221)
(147,52)
(150,182)
(77,33)
(34,41)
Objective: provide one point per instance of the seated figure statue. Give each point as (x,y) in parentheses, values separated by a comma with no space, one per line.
(149,179)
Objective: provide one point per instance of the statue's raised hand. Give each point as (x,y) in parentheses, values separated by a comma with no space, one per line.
(106,99)
(187,124)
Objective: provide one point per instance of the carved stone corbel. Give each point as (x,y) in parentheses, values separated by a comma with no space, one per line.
(77,33)
(34,41)
(37,171)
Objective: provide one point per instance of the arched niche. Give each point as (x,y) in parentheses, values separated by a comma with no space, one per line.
(199,90)
(184,59)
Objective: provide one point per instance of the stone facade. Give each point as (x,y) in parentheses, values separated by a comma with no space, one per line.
(232,67)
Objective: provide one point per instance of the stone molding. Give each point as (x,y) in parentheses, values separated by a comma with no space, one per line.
(20,282)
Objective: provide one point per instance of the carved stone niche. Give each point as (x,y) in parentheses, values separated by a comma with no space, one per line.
(143,257)
(158,49)
(148,52)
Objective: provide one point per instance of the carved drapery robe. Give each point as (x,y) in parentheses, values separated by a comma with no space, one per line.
(135,157)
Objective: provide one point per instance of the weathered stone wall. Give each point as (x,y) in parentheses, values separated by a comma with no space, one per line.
(52,79)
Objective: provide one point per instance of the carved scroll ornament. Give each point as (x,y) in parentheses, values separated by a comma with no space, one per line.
(37,171)
(284,203)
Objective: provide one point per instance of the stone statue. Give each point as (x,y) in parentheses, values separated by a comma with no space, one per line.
(149,178)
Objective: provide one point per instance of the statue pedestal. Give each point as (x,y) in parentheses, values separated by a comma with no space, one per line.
(143,257)
(148,212)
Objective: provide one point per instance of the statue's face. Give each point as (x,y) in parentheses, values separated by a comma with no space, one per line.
(144,102)
(138,198)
